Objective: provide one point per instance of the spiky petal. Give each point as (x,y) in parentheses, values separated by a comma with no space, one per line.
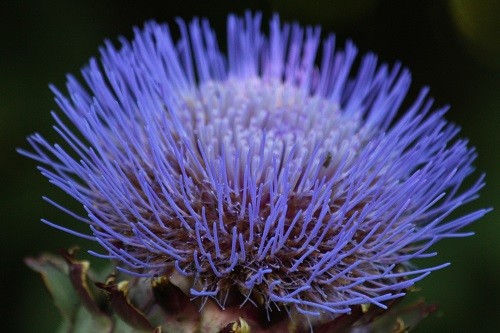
(259,173)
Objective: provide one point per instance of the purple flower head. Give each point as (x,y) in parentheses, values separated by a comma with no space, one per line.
(277,171)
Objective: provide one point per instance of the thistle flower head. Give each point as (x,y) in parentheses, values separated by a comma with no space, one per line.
(283,172)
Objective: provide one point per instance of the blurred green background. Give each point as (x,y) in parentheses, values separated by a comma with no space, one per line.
(452,46)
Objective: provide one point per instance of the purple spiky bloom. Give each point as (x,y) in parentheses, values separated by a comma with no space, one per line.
(272,171)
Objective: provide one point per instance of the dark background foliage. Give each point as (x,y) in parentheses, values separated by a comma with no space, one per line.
(452,46)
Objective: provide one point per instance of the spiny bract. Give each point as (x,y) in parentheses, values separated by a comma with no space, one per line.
(276,174)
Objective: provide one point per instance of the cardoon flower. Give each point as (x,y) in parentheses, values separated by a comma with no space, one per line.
(280,183)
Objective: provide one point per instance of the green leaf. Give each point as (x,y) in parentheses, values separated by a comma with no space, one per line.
(57,275)
(85,289)
(54,272)
(86,322)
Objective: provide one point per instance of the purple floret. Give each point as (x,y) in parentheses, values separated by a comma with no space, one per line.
(276,171)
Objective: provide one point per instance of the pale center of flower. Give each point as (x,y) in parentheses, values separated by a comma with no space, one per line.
(276,122)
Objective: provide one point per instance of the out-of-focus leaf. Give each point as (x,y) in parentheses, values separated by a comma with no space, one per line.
(86,322)
(478,23)
(78,275)
(120,303)
(54,272)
